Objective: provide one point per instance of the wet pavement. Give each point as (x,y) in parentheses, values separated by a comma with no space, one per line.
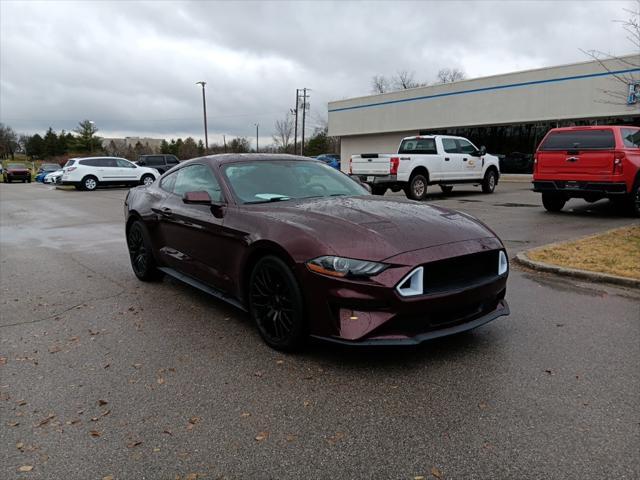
(103,375)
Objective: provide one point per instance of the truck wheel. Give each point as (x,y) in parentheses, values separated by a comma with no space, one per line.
(378,190)
(635,200)
(417,187)
(490,181)
(446,188)
(553,202)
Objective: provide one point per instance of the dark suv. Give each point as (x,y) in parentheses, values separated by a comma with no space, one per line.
(162,163)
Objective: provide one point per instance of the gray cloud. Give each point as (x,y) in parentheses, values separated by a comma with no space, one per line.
(132,66)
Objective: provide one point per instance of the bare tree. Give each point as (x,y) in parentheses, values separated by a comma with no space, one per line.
(450,75)
(284,133)
(627,80)
(379,84)
(404,80)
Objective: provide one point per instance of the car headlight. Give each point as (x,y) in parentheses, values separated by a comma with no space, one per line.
(345,267)
(503,263)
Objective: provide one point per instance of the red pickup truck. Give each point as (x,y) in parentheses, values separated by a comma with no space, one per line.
(591,162)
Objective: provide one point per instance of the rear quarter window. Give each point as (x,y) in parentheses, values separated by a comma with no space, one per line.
(579,140)
(631,137)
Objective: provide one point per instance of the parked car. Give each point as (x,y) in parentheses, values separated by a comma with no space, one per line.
(16,171)
(45,169)
(162,163)
(427,160)
(91,172)
(54,177)
(306,250)
(590,162)
(516,162)
(331,159)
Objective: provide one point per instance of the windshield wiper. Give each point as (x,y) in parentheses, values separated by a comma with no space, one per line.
(270,200)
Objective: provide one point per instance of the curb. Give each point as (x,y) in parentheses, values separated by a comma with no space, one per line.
(575,273)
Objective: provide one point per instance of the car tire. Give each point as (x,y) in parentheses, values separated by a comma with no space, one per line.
(28,180)
(378,190)
(416,189)
(446,188)
(489,181)
(553,202)
(147,179)
(276,304)
(141,253)
(89,183)
(634,200)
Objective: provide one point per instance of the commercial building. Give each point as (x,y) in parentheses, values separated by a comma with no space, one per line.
(509,114)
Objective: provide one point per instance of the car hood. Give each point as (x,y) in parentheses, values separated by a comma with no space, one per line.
(375,228)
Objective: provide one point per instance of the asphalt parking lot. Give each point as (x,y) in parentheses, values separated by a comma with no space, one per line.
(102,375)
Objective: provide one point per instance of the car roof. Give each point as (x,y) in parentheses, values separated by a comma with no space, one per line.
(592,127)
(224,158)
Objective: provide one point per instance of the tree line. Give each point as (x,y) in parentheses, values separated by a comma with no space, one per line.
(404,80)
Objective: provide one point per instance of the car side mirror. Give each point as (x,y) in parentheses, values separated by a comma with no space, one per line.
(197,198)
(483,151)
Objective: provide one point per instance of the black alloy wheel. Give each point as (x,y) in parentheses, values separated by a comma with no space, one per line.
(276,305)
(142,261)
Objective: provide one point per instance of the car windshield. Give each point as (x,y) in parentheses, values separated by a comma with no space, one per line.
(50,167)
(16,165)
(265,181)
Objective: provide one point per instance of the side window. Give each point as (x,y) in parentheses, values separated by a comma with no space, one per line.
(93,162)
(196,178)
(167,183)
(154,161)
(108,162)
(171,160)
(465,147)
(631,137)
(450,145)
(123,163)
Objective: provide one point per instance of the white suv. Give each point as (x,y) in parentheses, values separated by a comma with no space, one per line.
(90,172)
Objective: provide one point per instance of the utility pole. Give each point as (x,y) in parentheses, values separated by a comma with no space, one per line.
(257,145)
(204,109)
(304,112)
(224,140)
(295,135)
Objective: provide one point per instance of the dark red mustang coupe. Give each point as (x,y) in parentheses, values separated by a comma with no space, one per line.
(306,250)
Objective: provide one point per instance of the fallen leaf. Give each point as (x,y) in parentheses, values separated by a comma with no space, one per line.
(168,432)
(105,413)
(435,471)
(306,403)
(419,477)
(25,468)
(279,362)
(245,414)
(107,365)
(45,420)
(19,445)
(335,438)
(262,436)
(156,449)
(94,419)
(134,444)
(102,402)
(137,365)
(160,381)
(94,433)
(54,349)
(194,420)
(3,360)
(258,374)
(108,477)
(483,405)
(73,339)
(291,438)
(21,403)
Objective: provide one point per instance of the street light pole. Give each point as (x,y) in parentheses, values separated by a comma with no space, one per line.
(204,109)
(295,135)
(92,123)
(257,130)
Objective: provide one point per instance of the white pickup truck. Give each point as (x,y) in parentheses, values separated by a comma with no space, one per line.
(427,160)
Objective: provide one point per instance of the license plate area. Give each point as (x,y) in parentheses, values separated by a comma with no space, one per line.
(370,178)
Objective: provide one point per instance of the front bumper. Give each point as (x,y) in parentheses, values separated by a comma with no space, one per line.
(373,312)
(579,188)
(464,325)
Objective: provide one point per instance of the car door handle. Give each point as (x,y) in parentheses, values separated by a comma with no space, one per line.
(446,159)
(165,212)
(572,159)
(464,159)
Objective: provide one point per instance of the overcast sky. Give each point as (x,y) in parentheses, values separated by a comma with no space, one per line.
(131,67)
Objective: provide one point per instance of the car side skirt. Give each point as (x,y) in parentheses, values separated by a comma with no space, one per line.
(203,287)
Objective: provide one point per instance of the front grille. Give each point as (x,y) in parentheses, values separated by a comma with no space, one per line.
(462,271)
